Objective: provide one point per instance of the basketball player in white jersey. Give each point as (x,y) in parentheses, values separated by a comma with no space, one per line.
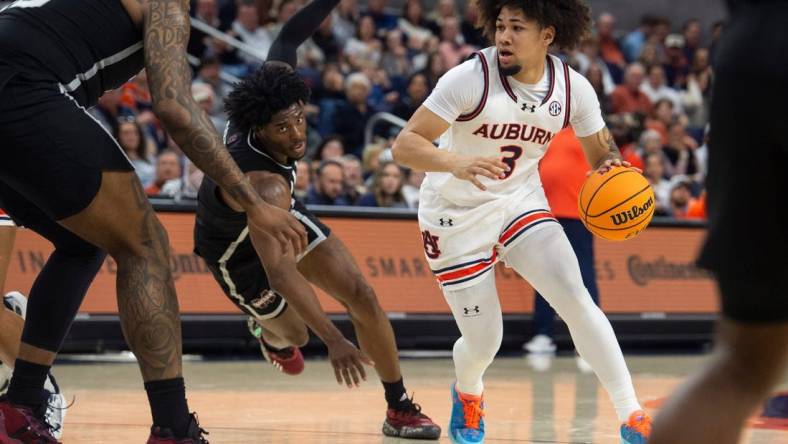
(482,200)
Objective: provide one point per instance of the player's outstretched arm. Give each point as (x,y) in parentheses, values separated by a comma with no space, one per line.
(285,279)
(299,28)
(414,149)
(166,32)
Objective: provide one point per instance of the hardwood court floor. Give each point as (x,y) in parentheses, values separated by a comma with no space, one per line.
(250,402)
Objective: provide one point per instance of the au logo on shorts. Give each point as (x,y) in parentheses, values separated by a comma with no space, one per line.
(430,245)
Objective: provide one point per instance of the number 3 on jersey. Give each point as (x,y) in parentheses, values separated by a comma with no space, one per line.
(510,161)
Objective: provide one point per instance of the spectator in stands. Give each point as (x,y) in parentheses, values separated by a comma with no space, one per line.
(328,185)
(622,128)
(206,11)
(627,97)
(435,68)
(203,94)
(354,178)
(697,98)
(168,167)
(650,142)
(327,96)
(632,44)
(413,23)
(331,147)
(680,196)
(680,150)
(589,55)
(656,88)
(133,142)
(351,115)
(608,45)
(410,189)
(285,10)
(676,64)
(696,209)
(384,21)
(303,179)
(370,160)
(327,41)
(247,29)
(655,174)
(209,71)
(443,9)
(650,55)
(395,61)
(344,19)
(693,32)
(185,186)
(661,118)
(452,45)
(364,50)
(595,77)
(417,91)
(472,35)
(386,188)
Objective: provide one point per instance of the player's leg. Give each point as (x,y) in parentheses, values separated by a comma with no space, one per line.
(330,266)
(62,161)
(546,259)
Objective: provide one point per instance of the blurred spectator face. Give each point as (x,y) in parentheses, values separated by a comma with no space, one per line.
(437,65)
(417,88)
(302,176)
(654,168)
(129,138)
(649,55)
(605,25)
(394,40)
(330,180)
(680,195)
(391,179)
(674,45)
(207,10)
(332,78)
(168,167)
(701,60)
(450,29)
(332,149)
(676,133)
(287,10)
(366,29)
(210,72)
(663,111)
(353,173)
(285,134)
(376,6)
(247,16)
(662,29)
(471,12)
(446,8)
(633,77)
(656,76)
(347,7)
(692,33)
(651,141)
(594,76)
(413,11)
(357,91)
(590,47)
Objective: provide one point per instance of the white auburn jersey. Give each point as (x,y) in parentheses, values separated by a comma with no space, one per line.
(493,115)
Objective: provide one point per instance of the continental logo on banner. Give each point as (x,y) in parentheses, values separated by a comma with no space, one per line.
(651,273)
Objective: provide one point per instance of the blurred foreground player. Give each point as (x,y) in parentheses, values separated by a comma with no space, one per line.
(266,135)
(63,176)
(748,239)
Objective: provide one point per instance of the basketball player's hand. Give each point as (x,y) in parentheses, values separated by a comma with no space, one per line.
(348,362)
(280,225)
(610,163)
(467,168)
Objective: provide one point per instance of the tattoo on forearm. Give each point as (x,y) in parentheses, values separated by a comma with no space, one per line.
(166,36)
(147,303)
(606,139)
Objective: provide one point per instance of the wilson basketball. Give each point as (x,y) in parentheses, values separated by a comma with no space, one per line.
(617,205)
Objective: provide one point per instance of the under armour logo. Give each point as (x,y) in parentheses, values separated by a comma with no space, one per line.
(446,222)
(527,107)
(471,311)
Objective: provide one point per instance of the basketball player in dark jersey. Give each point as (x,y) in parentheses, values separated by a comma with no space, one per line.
(747,239)
(266,135)
(66,178)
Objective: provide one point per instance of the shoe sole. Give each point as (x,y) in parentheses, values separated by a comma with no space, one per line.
(411,432)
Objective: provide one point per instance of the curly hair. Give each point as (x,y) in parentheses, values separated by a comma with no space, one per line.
(273,88)
(570,18)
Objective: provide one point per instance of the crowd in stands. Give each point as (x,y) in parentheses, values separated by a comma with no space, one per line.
(653,84)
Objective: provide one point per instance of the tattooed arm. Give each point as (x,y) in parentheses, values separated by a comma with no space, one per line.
(601,151)
(166,32)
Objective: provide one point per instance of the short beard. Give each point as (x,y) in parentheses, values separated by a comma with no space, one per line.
(509,70)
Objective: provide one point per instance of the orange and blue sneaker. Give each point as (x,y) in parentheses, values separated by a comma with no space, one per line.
(637,429)
(467,418)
